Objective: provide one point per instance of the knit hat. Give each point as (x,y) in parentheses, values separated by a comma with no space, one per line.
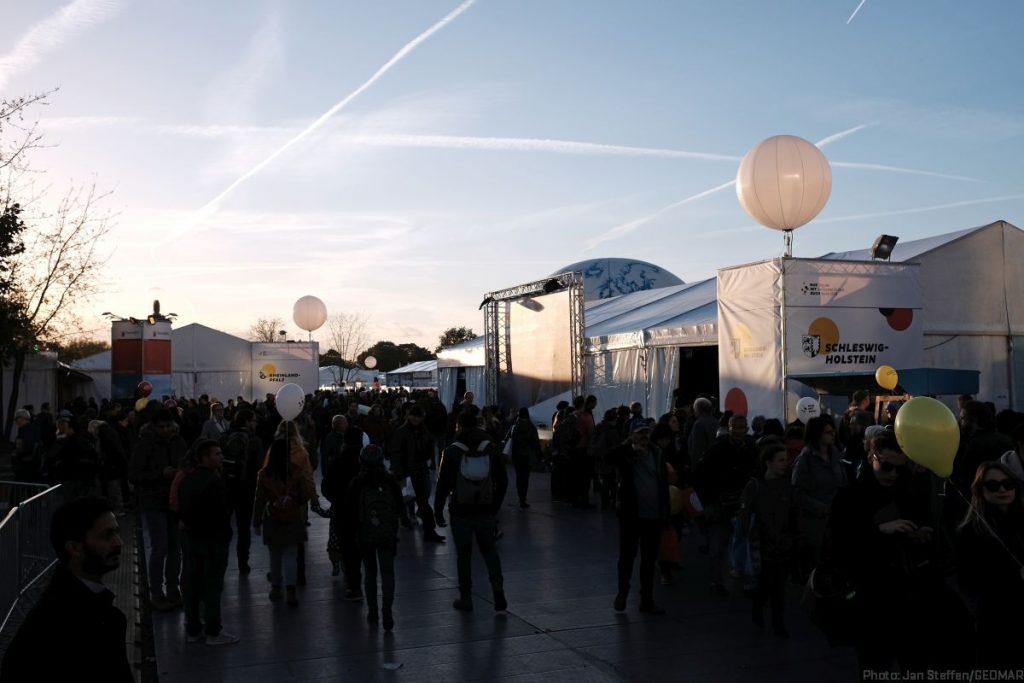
(371,455)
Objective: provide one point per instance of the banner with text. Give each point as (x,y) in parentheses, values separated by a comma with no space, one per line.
(276,364)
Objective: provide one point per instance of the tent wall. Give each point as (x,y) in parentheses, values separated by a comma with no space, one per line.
(447,385)
(988,353)
(475,383)
(38,383)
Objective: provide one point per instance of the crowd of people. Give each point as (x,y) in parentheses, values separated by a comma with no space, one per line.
(880,546)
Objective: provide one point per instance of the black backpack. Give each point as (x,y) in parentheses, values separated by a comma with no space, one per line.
(378,517)
(235,448)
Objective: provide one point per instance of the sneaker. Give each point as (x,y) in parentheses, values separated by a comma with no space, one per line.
(194,639)
(666,580)
(161,604)
(222,638)
(353,595)
(174,597)
(275,594)
(620,602)
(434,537)
(498,534)
(500,601)
(464,603)
(389,619)
(651,608)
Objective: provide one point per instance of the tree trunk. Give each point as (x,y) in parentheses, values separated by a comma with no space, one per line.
(12,403)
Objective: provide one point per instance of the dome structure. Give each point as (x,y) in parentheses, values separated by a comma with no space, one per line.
(604,278)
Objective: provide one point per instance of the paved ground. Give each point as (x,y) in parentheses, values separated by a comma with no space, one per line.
(559,567)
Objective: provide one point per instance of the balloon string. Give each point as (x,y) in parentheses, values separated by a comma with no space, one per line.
(985,523)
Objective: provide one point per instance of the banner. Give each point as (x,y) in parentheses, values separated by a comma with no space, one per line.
(275,364)
(750,339)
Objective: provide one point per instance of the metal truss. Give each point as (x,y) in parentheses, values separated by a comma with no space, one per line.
(497,333)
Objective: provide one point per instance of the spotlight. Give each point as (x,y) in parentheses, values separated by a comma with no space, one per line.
(552,286)
(881,250)
(486,301)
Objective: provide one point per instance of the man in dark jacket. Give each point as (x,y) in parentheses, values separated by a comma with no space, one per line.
(158,454)
(643,512)
(411,452)
(243,457)
(338,476)
(74,632)
(477,488)
(720,478)
(206,539)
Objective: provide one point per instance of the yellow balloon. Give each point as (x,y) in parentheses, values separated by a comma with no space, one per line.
(141,404)
(886,377)
(675,497)
(928,433)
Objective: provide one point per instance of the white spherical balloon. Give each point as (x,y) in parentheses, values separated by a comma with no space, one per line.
(309,313)
(370,362)
(289,400)
(807,408)
(784,182)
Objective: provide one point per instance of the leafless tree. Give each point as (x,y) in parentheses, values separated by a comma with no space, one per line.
(347,334)
(266,329)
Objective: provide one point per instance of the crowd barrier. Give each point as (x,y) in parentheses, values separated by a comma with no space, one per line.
(26,555)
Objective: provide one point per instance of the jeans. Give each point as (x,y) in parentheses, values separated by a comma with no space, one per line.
(645,533)
(464,530)
(421,486)
(283,558)
(771,587)
(164,550)
(206,561)
(240,502)
(382,556)
(522,467)
(720,533)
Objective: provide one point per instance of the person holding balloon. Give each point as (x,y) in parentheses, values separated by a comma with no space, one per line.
(818,473)
(990,552)
(882,542)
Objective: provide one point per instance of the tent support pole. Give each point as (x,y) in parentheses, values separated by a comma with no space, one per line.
(782,317)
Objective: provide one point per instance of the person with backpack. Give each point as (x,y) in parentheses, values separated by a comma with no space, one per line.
(205,541)
(473,475)
(243,452)
(282,493)
(376,509)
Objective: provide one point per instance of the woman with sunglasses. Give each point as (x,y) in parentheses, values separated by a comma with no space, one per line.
(989,556)
(881,543)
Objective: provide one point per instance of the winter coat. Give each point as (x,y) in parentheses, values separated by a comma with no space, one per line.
(268,490)
(525,443)
(149,459)
(624,456)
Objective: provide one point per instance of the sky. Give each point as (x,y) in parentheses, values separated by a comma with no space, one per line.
(400,158)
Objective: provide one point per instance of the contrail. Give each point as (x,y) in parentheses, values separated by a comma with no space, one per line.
(900,169)
(855,12)
(626,228)
(48,34)
(212,206)
(922,209)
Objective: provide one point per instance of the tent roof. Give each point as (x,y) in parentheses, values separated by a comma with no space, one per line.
(908,251)
(420,366)
(669,308)
(97,361)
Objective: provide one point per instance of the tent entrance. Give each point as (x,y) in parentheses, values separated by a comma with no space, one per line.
(698,372)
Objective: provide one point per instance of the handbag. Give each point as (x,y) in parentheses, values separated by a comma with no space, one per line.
(668,546)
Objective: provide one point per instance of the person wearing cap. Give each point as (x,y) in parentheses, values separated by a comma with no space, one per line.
(643,512)
(375,509)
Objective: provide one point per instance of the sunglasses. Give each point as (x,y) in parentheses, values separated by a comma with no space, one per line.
(886,466)
(995,485)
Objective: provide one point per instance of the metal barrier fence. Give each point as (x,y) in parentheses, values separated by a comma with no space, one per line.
(26,555)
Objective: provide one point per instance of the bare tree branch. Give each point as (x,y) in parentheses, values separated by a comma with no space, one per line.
(347,334)
(266,329)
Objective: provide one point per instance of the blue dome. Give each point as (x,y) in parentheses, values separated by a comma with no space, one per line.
(604,278)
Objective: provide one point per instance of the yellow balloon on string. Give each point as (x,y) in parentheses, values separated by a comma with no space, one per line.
(928,433)
(886,377)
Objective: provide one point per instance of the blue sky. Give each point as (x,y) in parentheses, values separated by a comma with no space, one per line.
(514,139)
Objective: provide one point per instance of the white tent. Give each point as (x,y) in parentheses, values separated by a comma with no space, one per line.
(334,376)
(463,362)
(973,313)
(207,361)
(421,375)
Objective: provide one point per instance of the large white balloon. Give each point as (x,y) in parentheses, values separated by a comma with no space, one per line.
(807,408)
(309,313)
(289,400)
(784,182)
(370,362)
